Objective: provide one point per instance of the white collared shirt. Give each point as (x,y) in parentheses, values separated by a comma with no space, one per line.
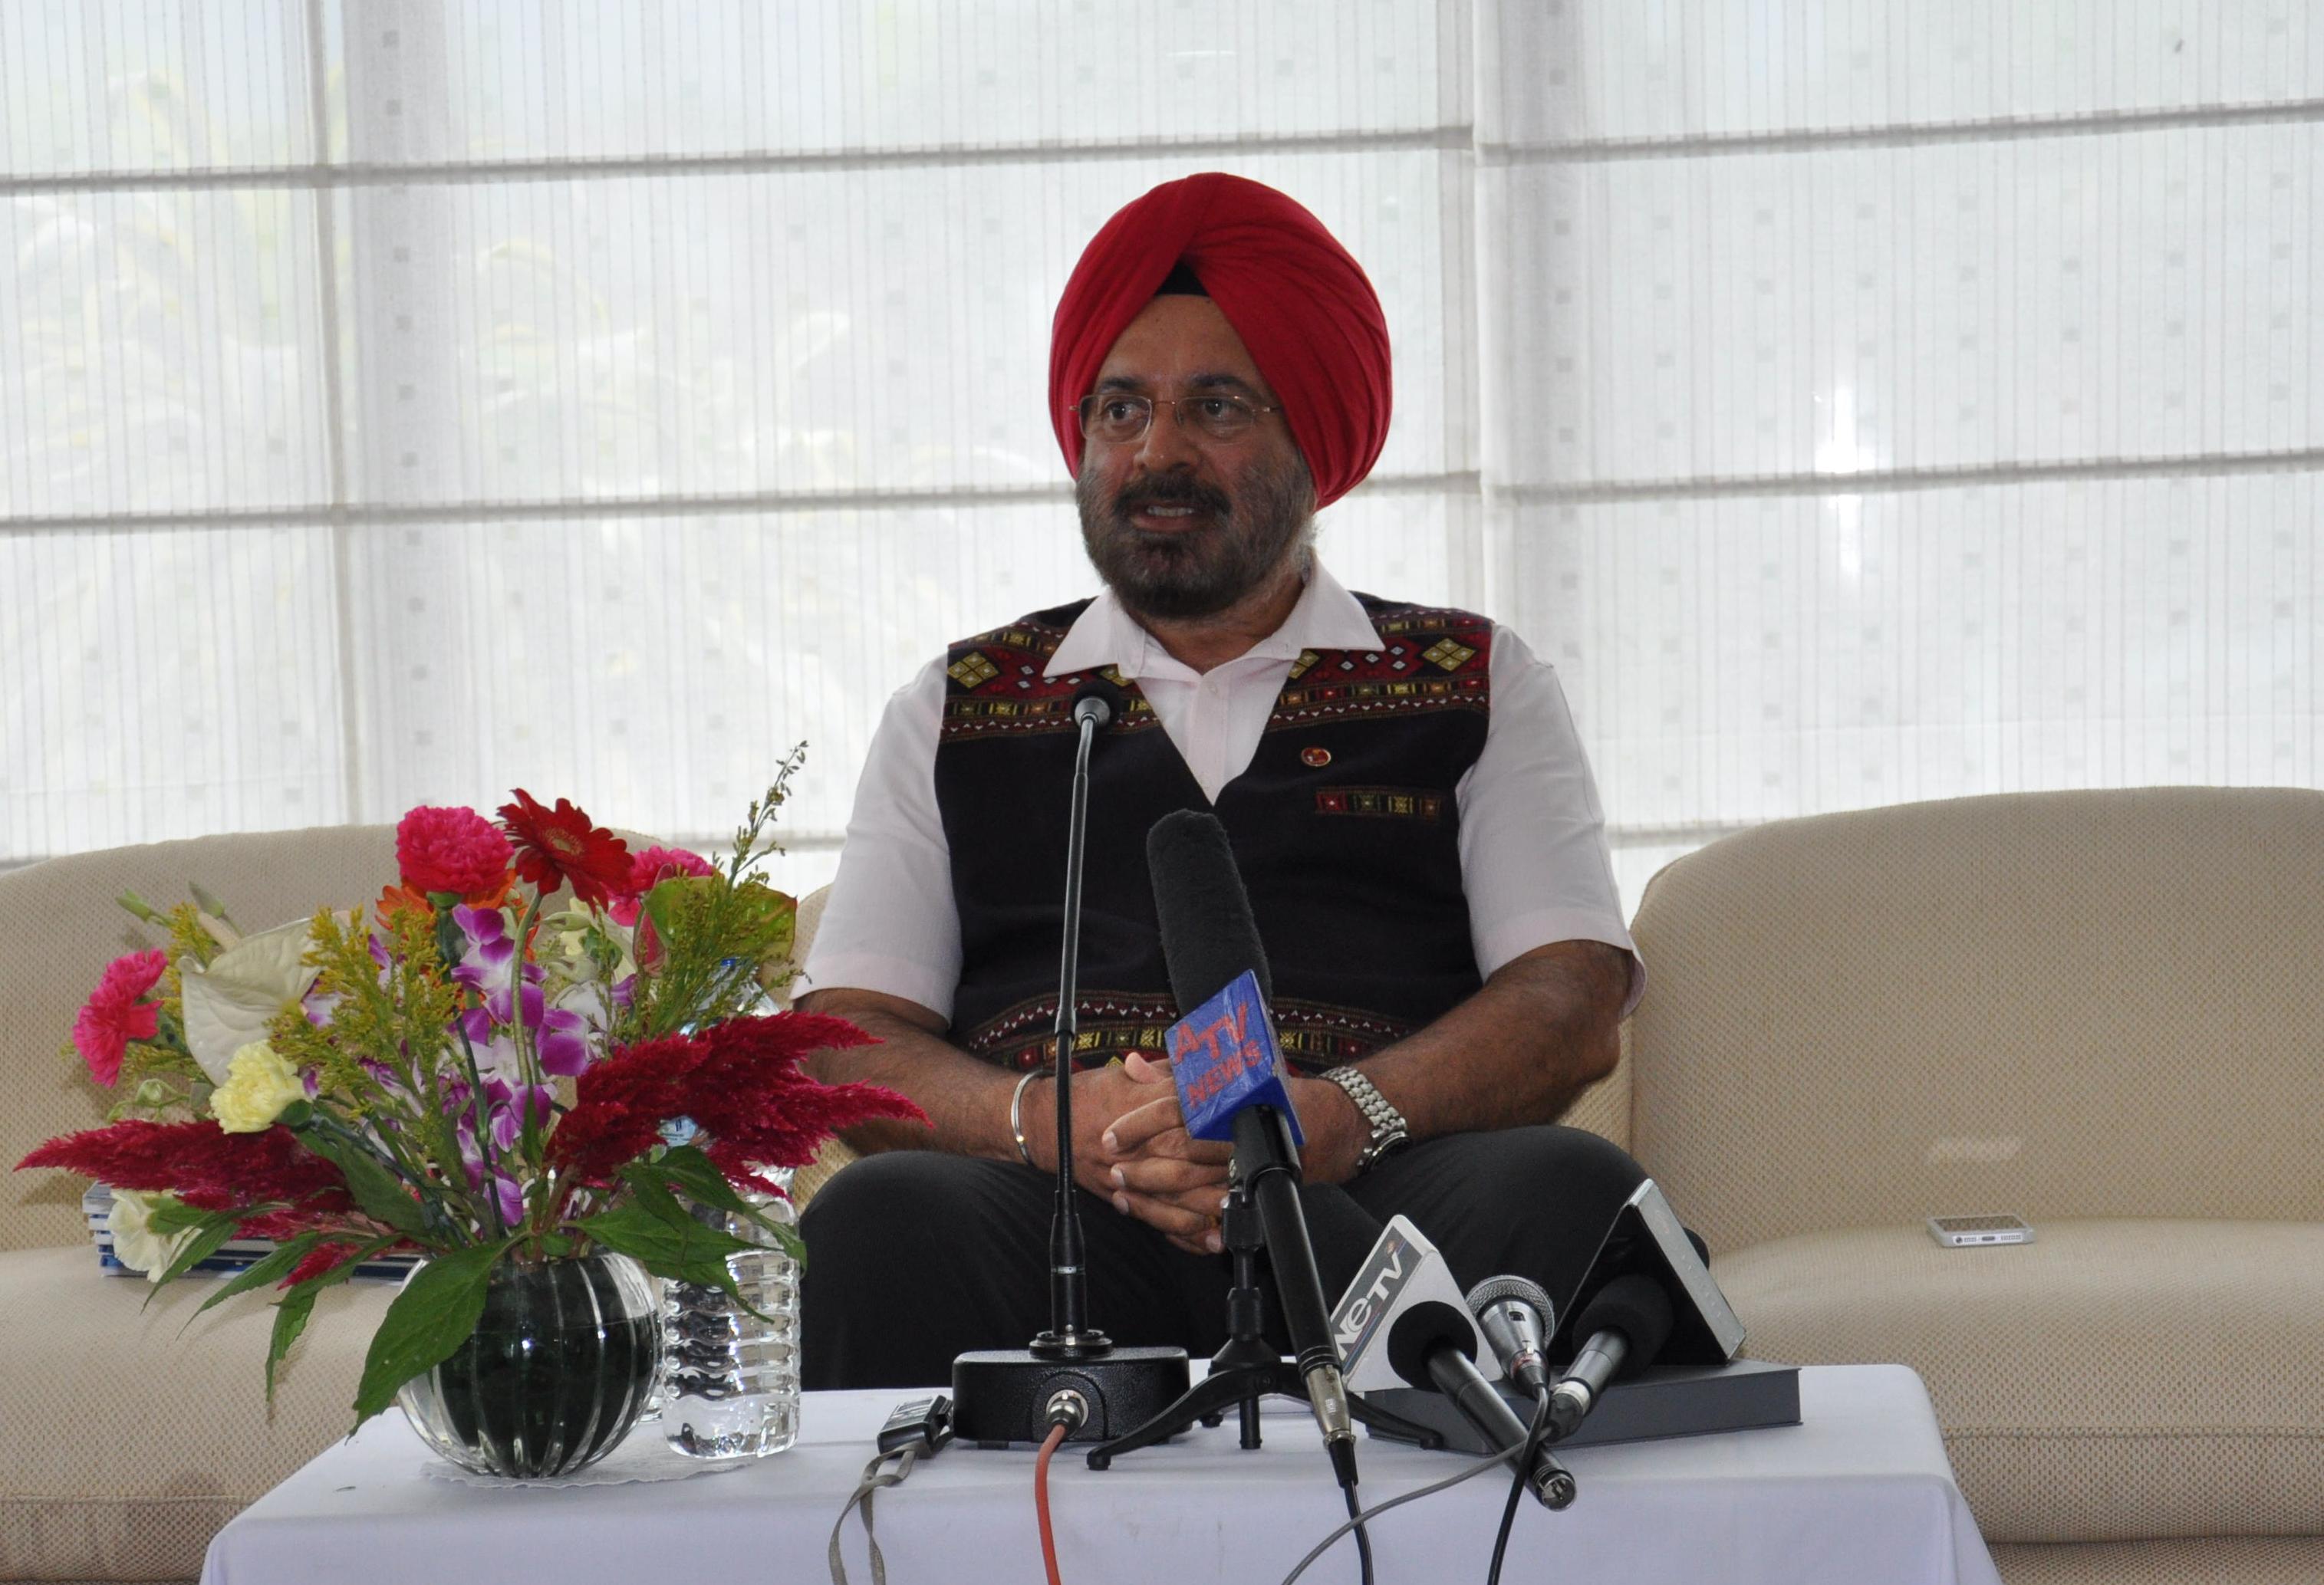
(1534,862)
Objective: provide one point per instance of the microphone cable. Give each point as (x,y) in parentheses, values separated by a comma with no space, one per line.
(1533,1434)
(1364,1536)
(1489,1461)
(1041,1499)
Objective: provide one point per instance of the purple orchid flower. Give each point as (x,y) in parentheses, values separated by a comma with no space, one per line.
(563,1043)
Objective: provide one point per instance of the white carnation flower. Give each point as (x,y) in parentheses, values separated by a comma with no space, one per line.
(135,1244)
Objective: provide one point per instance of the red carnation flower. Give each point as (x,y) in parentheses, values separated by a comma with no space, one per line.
(451,850)
(114,1015)
(560,844)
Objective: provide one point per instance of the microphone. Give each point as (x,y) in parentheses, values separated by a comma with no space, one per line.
(1514,1315)
(1434,1344)
(1627,1324)
(1228,1073)
(1387,1350)
(1071,1374)
(1098,702)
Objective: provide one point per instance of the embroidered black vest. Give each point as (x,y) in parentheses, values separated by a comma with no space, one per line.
(1345,826)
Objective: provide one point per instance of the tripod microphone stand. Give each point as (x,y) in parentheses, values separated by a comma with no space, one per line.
(1246,1367)
(1072,1373)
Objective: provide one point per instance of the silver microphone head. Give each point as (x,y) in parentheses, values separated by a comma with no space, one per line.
(1517,1319)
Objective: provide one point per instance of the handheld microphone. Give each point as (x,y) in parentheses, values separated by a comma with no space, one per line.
(1228,1073)
(1389,1351)
(1626,1324)
(1433,1345)
(1514,1315)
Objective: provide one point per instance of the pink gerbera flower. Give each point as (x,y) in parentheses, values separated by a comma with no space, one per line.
(649,868)
(114,1015)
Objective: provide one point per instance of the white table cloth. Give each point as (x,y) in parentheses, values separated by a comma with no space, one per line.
(1860,1491)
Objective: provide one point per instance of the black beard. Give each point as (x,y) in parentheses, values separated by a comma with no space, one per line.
(1201,571)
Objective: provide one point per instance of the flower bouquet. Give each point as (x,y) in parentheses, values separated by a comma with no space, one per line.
(475,1069)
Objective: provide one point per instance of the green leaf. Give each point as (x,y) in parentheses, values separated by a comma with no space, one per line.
(384,1196)
(682,1252)
(270,1268)
(291,1314)
(435,1314)
(214,1229)
(291,1311)
(693,1174)
(175,1216)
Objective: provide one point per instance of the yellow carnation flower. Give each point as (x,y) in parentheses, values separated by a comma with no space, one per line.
(258,1085)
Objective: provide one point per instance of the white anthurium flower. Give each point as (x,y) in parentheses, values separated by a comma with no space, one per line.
(135,1244)
(229,1004)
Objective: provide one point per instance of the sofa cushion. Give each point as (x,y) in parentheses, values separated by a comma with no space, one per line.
(2219,1560)
(1992,1003)
(129,1444)
(2112,1380)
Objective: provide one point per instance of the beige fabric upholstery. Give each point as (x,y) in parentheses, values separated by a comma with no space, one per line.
(129,1446)
(2089,1004)
(2110,1381)
(1604,1108)
(2240,1560)
(59,928)
(834,1154)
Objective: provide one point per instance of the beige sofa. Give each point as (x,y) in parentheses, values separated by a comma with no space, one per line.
(128,1442)
(2101,1010)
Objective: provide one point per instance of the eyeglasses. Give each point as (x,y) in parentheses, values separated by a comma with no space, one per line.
(1117,417)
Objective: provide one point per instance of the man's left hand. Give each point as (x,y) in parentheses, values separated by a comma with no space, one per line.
(1166,1177)
(1162,1174)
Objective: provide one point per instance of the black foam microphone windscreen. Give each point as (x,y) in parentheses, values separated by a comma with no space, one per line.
(1208,934)
(1115,702)
(1636,1306)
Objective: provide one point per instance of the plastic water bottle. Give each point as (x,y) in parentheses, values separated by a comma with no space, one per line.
(730,1380)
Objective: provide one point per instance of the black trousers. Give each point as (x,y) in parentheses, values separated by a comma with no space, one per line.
(914,1257)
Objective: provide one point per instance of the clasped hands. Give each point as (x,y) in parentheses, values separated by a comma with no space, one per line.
(1132,1148)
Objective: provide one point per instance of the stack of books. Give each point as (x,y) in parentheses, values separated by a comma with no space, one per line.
(234,1255)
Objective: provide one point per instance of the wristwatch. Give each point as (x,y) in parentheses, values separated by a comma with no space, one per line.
(1388,1129)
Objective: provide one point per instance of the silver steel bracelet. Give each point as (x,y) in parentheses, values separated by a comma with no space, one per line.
(1017,1116)
(1389,1127)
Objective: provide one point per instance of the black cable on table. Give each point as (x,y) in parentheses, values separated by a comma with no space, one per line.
(1534,1433)
(1364,1536)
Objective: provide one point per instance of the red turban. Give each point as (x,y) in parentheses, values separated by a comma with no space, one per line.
(1301,304)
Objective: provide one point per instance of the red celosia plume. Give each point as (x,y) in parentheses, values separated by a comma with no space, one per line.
(739,1081)
(208,1168)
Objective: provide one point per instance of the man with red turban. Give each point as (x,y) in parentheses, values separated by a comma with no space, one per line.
(1401,783)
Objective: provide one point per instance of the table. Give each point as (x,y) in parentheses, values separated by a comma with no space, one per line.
(1861,1490)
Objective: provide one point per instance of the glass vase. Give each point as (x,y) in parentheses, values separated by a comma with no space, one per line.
(730,1380)
(557,1370)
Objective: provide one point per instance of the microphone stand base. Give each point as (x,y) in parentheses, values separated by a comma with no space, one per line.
(1210,1399)
(1000,1396)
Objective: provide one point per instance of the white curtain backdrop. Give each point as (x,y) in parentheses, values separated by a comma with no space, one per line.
(405,400)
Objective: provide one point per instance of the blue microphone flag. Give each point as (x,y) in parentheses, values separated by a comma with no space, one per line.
(1223,1058)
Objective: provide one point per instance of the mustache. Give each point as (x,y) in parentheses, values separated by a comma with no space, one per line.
(1171,490)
